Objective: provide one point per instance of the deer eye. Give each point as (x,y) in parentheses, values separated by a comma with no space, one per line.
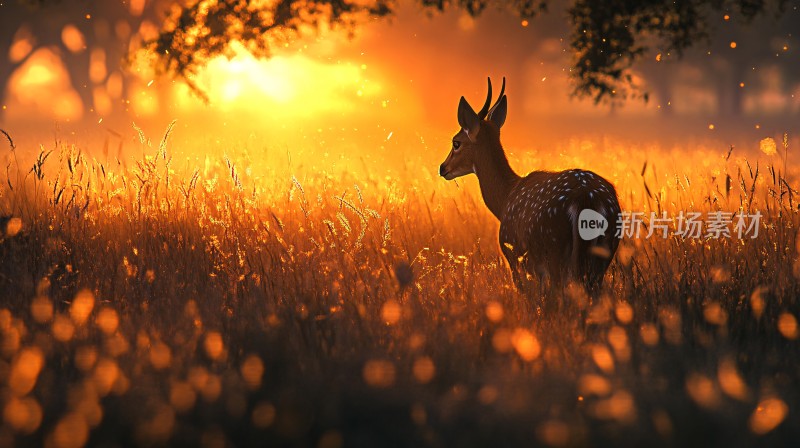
(456,144)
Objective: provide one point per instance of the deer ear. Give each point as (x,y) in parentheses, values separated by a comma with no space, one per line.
(468,119)
(498,114)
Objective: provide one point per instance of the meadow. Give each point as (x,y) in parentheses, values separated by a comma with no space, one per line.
(146,301)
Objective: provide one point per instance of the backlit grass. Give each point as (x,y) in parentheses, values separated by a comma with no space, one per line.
(146,301)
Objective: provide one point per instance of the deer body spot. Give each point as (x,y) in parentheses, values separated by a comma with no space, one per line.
(537,220)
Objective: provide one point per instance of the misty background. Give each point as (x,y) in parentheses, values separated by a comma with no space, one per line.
(76,72)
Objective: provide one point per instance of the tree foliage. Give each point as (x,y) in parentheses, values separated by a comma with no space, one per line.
(206,28)
(607,37)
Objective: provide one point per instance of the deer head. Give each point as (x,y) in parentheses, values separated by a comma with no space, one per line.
(461,159)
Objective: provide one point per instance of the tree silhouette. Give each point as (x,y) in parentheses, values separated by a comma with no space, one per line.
(207,28)
(608,37)
(733,61)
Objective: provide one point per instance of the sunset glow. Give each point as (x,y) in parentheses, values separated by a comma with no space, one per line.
(41,86)
(295,85)
(369,223)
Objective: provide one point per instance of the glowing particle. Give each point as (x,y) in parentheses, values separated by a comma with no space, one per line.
(62,328)
(494,311)
(214,345)
(73,39)
(116,345)
(391,312)
(715,314)
(741,84)
(181,396)
(81,307)
(649,334)
(768,415)
(711,126)
(252,371)
(768,146)
(603,358)
(106,373)
(733,44)
(553,433)
(526,344)
(726,17)
(72,430)
(619,342)
(787,325)
(591,384)
(619,406)
(702,390)
(624,312)
(424,370)
(390,135)
(379,373)
(13,227)
(501,341)
(107,320)
(24,415)
(42,309)
(25,371)
(160,355)
(658,57)
(85,358)
(211,387)
(524,23)
(730,381)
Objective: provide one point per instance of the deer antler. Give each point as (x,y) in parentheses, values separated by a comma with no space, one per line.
(502,91)
(482,113)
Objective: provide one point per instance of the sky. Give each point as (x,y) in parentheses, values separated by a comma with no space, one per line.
(397,83)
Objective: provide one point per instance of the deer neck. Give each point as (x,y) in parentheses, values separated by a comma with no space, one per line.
(495,176)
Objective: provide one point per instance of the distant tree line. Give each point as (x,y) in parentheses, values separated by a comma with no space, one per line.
(608,39)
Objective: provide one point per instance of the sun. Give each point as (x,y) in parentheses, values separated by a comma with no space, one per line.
(298,84)
(244,77)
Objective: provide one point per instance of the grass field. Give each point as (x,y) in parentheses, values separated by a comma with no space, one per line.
(147,303)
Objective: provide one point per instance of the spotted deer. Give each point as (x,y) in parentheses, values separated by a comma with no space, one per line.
(539,213)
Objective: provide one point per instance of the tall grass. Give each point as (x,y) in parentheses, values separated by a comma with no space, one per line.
(147,304)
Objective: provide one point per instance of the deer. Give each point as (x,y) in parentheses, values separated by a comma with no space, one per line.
(540,234)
